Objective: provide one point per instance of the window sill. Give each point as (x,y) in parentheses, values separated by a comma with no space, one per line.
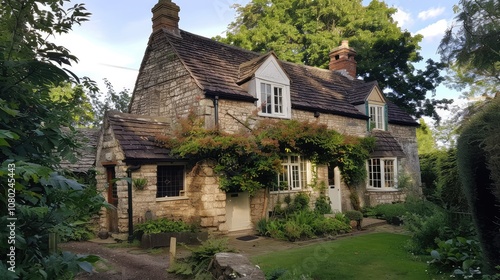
(286,191)
(382,190)
(274,116)
(160,199)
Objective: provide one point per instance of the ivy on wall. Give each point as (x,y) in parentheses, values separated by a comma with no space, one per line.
(249,160)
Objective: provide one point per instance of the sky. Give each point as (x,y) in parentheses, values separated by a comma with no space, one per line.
(112,43)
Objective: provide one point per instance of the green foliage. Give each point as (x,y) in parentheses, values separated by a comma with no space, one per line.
(249,161)
(303,224)
(354,215)
(32,137)
(424,230)
(425,140)
(162,225)
(111,100)
(478,24)
(322,205)
(389,212)
(140,183)
(458,256)
(305,32)
(196,265)
(479,170)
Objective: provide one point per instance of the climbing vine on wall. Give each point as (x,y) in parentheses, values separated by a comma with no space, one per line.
(249,160)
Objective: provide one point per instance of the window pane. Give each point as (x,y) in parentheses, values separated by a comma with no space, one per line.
(293,174)
(380,124)
(170,180)
(375,173)
(278,100)
(389,174)
(266,101)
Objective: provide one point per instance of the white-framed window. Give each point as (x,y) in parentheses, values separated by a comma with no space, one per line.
(170,181)
(377,117)
(272,99)
(382,173)
(293,175)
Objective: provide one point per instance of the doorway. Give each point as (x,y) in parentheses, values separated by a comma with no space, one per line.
(238,211)
(334,191)
(112,199)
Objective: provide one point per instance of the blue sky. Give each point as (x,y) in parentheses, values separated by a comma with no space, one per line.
(111,45)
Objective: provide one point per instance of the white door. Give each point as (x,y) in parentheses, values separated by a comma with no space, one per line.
(238,211)
(334,189)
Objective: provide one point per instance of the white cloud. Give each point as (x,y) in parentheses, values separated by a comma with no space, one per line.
(430,13)
(435,30)
(98,60)
(402,17)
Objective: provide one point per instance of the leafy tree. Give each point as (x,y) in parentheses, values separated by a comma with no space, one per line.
(303,31)
(111,100)
(32,141)
(76,102)
(479,170)
(473,43)
(425,139)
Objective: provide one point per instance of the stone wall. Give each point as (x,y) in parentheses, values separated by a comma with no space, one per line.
(374,198)
(109,151)
(164,87)
(236,116)
(407,138)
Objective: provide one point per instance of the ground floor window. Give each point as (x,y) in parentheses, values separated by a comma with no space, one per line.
(382,173)
(170,181)
(293,175)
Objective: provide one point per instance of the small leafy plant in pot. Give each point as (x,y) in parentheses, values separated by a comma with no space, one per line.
(140,183)
(354,215)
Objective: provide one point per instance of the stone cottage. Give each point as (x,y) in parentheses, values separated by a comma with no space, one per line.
(226,86)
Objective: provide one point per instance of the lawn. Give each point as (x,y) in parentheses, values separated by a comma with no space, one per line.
(369,256)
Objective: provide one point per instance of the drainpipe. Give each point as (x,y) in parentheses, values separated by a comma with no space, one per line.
(130,212)
(216,109)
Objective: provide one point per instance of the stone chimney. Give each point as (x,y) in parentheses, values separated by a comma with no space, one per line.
(166,16)
(342,59)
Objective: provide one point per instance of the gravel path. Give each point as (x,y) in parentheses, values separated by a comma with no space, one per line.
(122,263)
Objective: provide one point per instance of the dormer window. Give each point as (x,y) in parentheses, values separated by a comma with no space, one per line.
(272,99)
(267,81)
(377,117)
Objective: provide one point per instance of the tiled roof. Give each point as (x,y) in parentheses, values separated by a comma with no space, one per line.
(136,135)
(219,68)
(360,91)
(385,145)
(85,155)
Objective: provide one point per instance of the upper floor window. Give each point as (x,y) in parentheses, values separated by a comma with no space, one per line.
(170,181)
(272,99)
(377,117)
(382,173)
(293,175)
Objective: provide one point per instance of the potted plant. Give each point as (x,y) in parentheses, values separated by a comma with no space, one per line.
(140,183)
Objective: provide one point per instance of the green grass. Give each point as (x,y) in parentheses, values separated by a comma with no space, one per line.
(370,256)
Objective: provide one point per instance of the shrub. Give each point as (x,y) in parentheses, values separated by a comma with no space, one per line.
(162,225)
(390,212)
(275,229)
(330,226)
(322,205)
(301,201)
(354,215)
(262,226)
(292,230)
(459,256)
(424,229)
